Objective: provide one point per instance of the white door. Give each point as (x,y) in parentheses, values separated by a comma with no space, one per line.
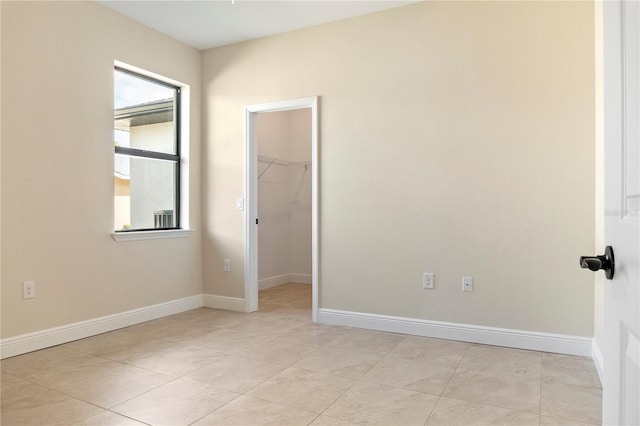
(622,211)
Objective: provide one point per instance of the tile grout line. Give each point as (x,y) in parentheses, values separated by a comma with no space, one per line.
(246,393)
(216,409)
(435,407)
(444,389)
(89,402)
(238,395)
(49,389)
(174,379)
(355,381)
(540,395)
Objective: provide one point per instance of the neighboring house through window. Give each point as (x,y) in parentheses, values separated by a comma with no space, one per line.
(147,153)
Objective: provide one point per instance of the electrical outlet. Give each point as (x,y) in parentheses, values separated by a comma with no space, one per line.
(427,280)
(467,284)
(28,289)
(227,265)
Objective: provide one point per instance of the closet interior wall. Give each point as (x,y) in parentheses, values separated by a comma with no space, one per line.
(284,197)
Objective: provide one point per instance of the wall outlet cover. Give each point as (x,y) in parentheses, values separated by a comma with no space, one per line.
(467,284)
(28,289)
(428,280)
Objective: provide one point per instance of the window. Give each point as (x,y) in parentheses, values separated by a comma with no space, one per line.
(146,127)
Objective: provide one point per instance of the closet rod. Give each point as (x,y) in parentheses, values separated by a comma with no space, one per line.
(281,162)
(270,161)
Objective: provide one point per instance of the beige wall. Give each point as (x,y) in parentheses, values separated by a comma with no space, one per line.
(57,167)
(1,107)
(300,248)
(455,138)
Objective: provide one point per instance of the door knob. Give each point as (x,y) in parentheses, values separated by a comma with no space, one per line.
(606,262)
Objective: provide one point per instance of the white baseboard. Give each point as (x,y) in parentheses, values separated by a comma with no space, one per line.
(224,302)
(545,342)
(29,342)
(277,280)
(299,278)
(598,360)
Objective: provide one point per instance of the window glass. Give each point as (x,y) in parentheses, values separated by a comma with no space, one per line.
(148,193)
(147,161)
(144,114)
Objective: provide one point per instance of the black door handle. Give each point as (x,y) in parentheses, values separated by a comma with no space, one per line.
(606,262)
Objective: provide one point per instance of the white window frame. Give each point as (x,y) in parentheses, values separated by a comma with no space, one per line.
(184,230)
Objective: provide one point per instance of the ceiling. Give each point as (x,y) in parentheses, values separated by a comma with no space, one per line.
(207,24)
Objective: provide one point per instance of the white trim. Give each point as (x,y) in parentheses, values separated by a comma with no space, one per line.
(277,280)
(546,342)
(596,355)
(315,211)
(300,278)
(151,235)
(289,104)
(274,281)
(250,214)
(251,196)
(224,302)
(148,73)
(29,342)
(185,144)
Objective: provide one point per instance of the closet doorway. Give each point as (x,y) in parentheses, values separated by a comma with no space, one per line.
(281,216)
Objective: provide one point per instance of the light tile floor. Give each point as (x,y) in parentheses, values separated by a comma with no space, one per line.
(275,367)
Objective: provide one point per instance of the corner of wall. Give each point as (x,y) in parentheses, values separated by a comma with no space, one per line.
(599,241)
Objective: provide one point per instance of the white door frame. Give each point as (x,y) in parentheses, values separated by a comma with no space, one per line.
(251,195)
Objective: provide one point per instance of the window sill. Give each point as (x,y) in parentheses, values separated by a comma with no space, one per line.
(151,235)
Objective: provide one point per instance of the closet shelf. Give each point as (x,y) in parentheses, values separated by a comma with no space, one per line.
(270,161)
(281,162)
